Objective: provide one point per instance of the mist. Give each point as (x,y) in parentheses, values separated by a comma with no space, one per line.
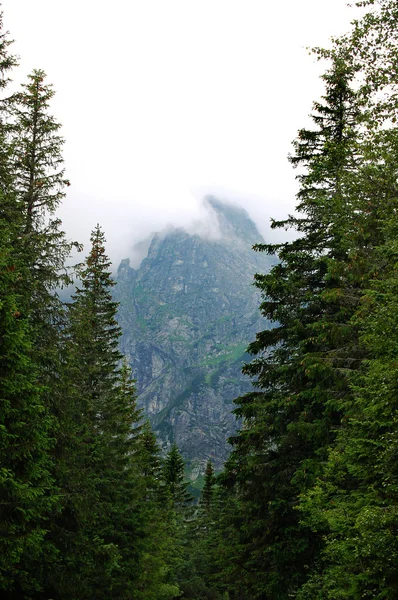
(164,103)
(129,228)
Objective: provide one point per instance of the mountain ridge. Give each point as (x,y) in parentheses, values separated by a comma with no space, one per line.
(188,314)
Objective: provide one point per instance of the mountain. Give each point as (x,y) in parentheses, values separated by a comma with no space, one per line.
(188,314)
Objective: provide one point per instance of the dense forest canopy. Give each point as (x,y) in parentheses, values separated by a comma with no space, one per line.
(307,504)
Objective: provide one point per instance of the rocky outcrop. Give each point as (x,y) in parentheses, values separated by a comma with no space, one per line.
(188,314)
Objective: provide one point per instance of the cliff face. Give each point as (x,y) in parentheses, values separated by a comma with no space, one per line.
(188,314)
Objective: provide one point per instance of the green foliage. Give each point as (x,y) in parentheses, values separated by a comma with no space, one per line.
(174,478)
(309,508)
(356,499)
(27,493)
(307,504)
(301,363)
(82,503)
(200,546)
(206,498)
(106,462)
(26,487)
(38,184)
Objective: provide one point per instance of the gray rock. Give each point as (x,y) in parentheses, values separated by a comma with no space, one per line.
(188,314)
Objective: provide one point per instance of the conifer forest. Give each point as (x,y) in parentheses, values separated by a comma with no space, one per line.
(306,505)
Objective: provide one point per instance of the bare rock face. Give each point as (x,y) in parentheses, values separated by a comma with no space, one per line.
(188,314)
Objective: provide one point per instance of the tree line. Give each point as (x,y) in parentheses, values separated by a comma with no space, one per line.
(307,504)
(88,508)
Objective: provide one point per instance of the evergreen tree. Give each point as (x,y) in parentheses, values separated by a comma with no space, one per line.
(32,186)
(206,497)
(355,499)
(26,486)
(175,492)
(200,545)
(97,437)
(105,534)
(160,557)
(27,493)
(39,183)
(174,477)
(302,363)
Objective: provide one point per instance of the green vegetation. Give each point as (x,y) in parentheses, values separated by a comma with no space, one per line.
(226,353)
(83,512)
(307,504)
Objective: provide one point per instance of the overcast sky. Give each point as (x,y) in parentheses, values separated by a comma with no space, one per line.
(163,101)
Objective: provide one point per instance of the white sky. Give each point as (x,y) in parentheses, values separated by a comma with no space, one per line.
(162,101)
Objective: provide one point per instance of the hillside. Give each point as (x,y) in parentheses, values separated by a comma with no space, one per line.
(187,314)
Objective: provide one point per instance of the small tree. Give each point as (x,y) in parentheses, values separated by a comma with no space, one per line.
(174,477)
(206,498)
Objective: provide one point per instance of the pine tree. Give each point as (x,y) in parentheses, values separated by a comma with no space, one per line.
(26,487)
(96,426)
(159,559)
(39,183)
(174,477)
(203,545)
(355,501)
(301,365)
(27,494)
(32,185)
(105,533)
(206,497)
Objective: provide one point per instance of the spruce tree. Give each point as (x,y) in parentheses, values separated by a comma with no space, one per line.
(203,544)
(160,555)
(105,534)
(33,186)
(301,364)
(26,486)
(207,494)
(93,434)
(174,477)
(39,183)
(355,501)
(27,494)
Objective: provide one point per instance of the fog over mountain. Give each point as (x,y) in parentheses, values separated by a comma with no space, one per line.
(162,103)
(188,313)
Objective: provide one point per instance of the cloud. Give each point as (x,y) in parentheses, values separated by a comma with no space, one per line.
(165,102)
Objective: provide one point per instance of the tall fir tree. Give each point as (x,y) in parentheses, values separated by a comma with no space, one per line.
(103,531)
(27,494)
(39,183)
(33,186)
(160,556)
(93,435)
(355,500)
(207,494)
(202,544)
(301,365)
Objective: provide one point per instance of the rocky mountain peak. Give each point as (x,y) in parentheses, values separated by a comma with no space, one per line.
(188,314)
(233,221)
